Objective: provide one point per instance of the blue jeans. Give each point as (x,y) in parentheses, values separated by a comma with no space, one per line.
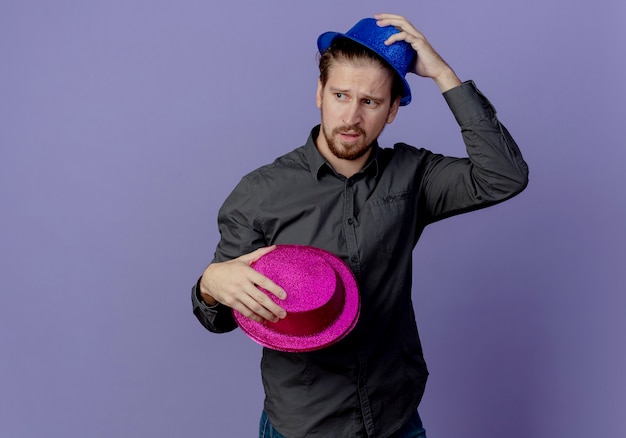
(413,429)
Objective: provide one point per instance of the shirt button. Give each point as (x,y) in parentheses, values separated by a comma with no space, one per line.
(350,221)
(354,259)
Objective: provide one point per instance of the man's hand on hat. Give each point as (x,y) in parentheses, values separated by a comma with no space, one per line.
(428,63)
(234,284)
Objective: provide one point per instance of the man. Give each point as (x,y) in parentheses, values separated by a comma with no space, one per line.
(343,193)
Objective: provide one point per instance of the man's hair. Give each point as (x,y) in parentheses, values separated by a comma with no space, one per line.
(351,51)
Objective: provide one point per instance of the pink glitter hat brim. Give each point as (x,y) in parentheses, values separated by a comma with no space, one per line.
(346,321)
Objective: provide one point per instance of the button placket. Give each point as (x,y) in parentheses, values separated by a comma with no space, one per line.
(350,229)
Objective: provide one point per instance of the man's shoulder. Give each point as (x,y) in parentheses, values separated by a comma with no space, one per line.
(291,162)
(403,153)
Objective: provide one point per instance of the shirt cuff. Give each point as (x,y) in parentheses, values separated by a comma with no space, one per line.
(217,318)
(468,104)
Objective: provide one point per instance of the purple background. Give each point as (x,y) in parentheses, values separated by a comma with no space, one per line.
(124,125)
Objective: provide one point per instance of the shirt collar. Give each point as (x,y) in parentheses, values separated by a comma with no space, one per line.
(318,164)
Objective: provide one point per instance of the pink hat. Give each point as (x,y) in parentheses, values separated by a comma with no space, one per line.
(322,301)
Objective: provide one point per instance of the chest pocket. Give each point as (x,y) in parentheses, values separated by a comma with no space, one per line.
(392,219)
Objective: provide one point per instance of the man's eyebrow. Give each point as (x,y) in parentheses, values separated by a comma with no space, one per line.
(366,96)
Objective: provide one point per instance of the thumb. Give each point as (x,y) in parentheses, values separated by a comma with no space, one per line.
(256,254)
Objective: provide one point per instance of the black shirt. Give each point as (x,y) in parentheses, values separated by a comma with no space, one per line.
(371,382)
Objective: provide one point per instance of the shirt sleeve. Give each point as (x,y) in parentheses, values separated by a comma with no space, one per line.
(216,319)
(493,171)
(239,236)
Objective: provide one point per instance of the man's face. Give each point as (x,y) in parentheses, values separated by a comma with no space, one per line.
(355,104)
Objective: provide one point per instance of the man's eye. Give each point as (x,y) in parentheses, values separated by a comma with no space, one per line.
(340,95)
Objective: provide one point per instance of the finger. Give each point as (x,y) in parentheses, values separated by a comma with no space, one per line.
(251,310)
(414,40)
(400,36)
(400,23)
(263,306)
(393,20)
(387,16)
(263,299)
(254,304)
(267,284)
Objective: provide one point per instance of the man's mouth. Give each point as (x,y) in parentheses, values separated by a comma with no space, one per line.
(350,134)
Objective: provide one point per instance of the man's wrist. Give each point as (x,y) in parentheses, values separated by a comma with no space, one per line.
(205,297)
(208,300)
(447,80)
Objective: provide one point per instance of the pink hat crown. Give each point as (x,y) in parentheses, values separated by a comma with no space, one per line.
(315,296)
(322,300)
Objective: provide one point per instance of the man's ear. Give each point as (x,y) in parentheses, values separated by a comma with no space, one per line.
(393,110)
(318,95)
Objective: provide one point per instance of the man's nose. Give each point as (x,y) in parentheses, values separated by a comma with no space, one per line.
(352,115)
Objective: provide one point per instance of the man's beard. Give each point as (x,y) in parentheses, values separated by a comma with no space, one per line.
(350,151)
